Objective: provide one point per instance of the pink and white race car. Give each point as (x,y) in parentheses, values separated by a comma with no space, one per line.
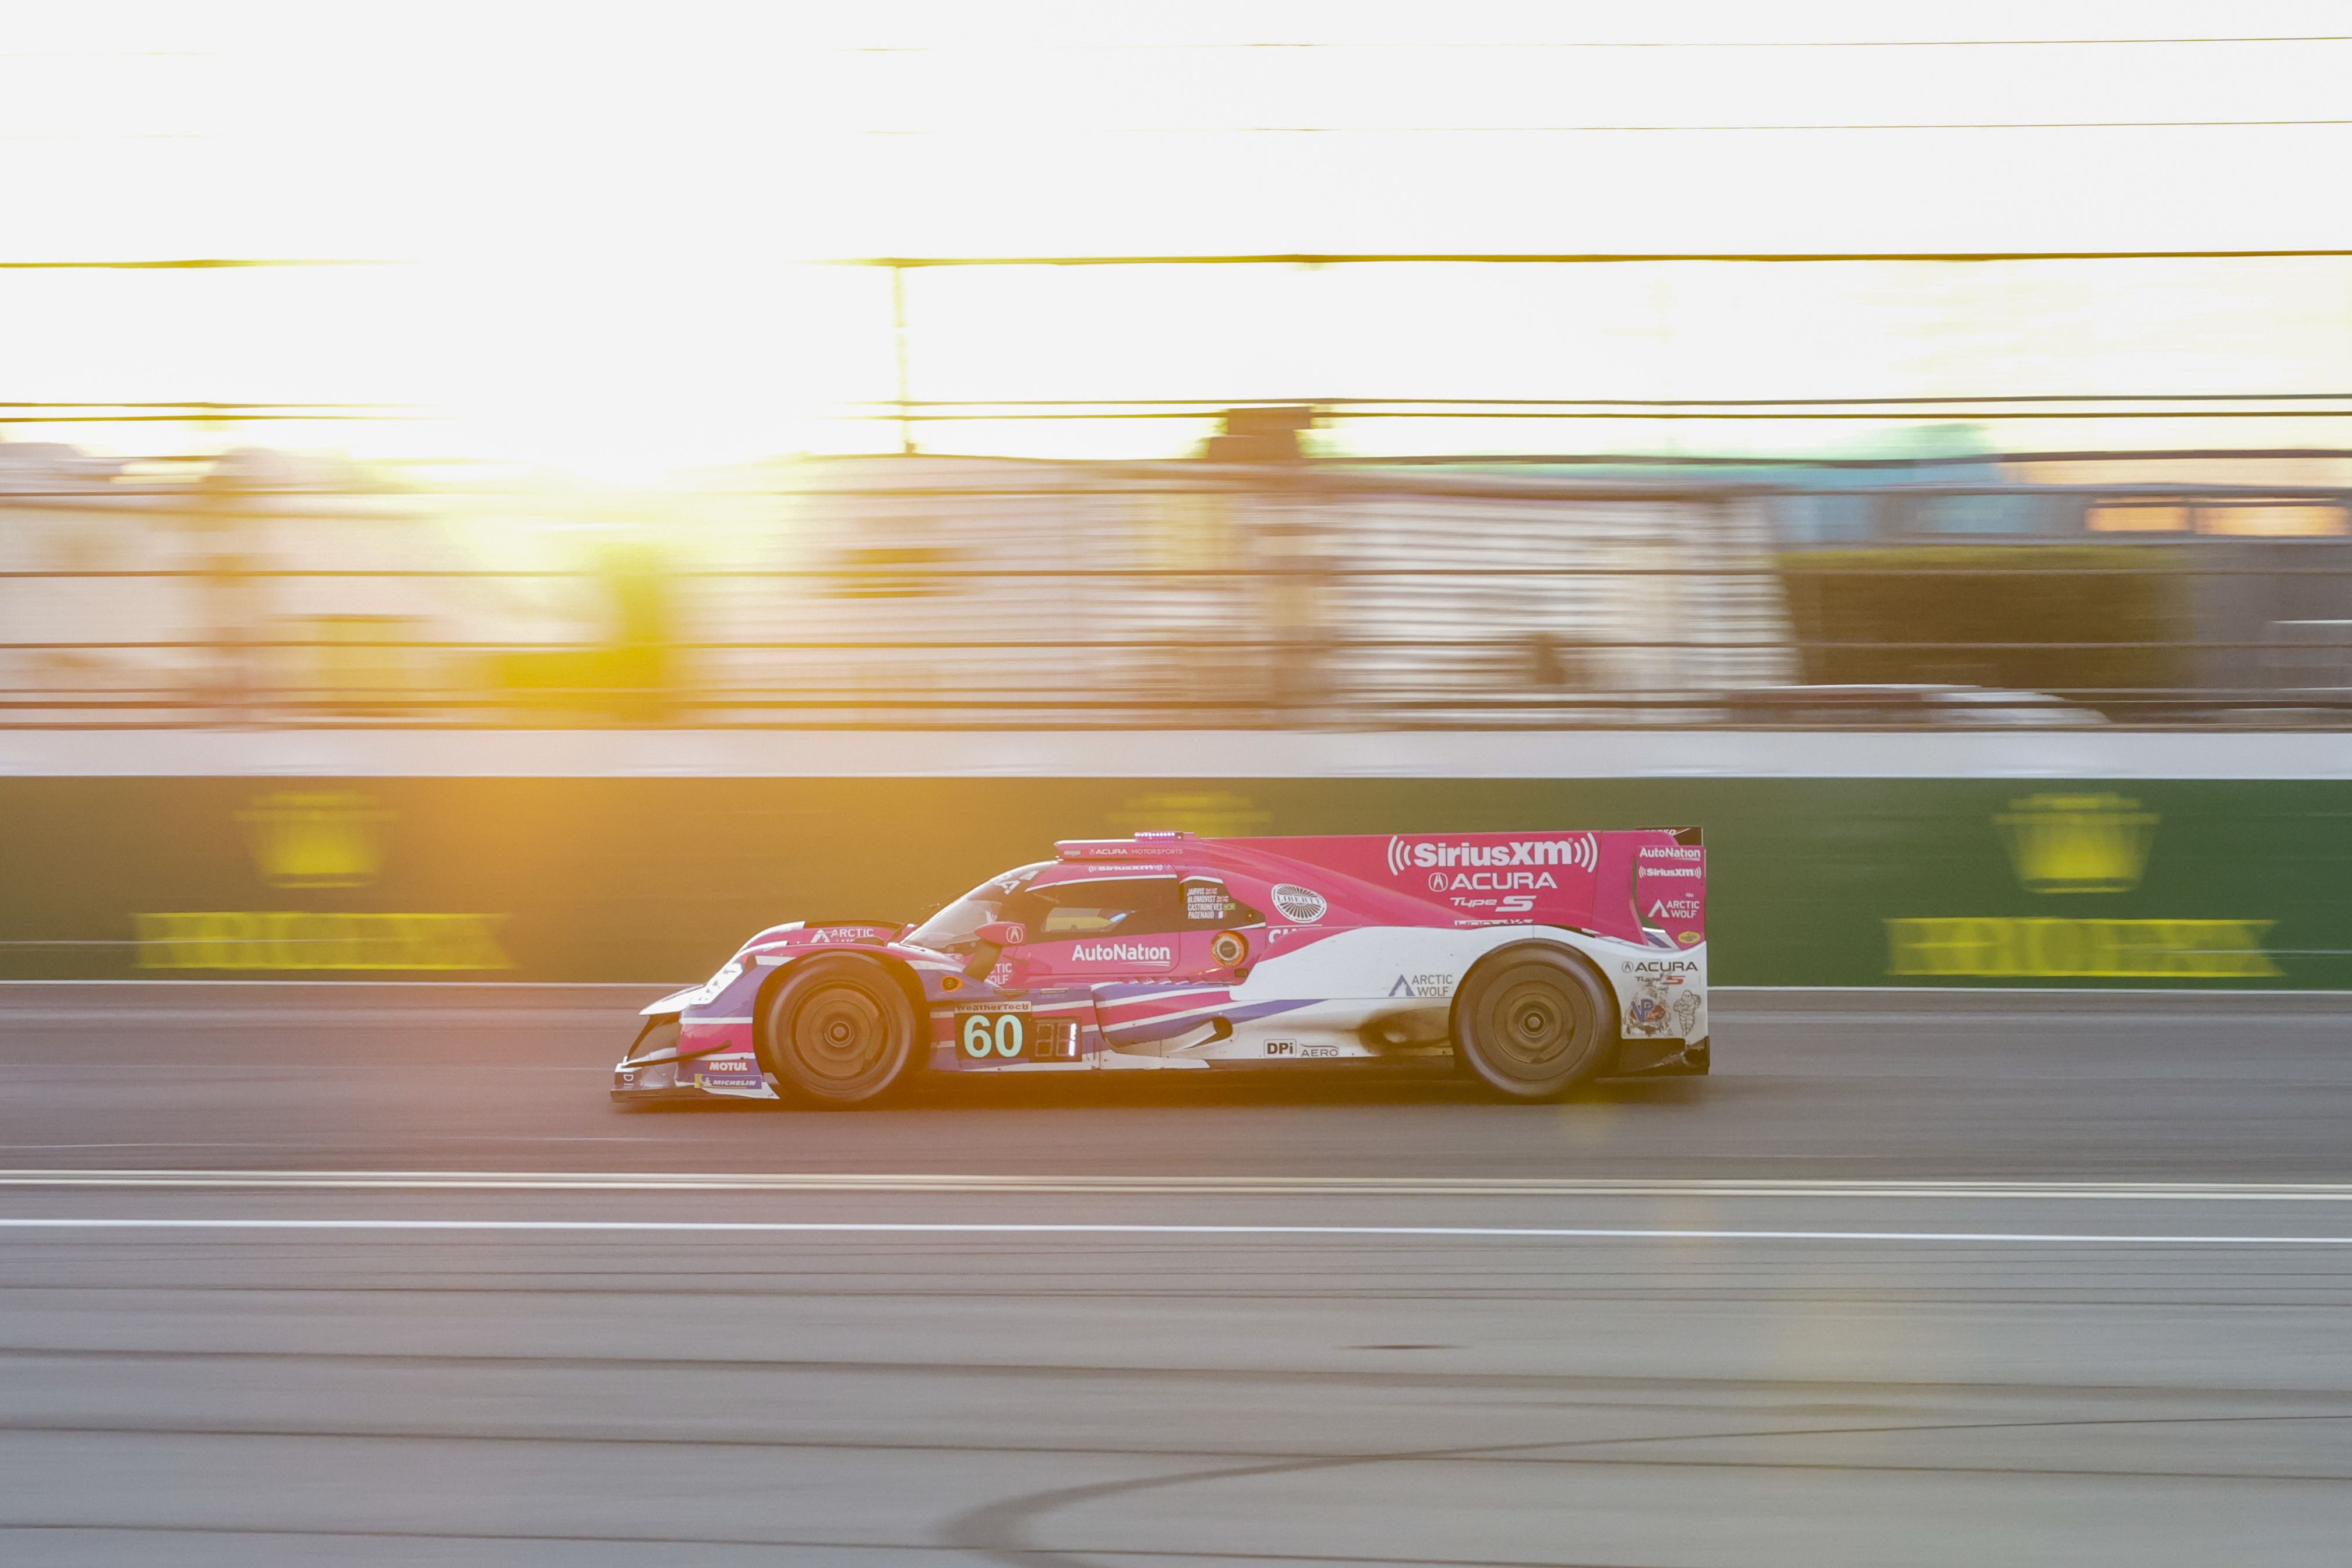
(1535,960)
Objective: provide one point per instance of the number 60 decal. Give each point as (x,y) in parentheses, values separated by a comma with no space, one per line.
(1004,1034)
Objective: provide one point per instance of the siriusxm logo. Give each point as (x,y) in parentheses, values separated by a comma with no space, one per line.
(1122,952)
(1578,849)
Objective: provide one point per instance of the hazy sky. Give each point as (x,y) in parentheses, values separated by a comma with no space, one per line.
(596,211)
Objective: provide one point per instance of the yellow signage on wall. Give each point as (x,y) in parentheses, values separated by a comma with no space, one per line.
(307,840)
(316,838)
(2077,843)
(1994,946)
(301,939)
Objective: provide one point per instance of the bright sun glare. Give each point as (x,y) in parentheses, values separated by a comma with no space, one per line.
(589,230)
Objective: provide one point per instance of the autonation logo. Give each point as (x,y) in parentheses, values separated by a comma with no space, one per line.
(1578,849)
(1122,952)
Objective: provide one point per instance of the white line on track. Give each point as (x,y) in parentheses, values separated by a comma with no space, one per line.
(1279,1186)
(1430,1232)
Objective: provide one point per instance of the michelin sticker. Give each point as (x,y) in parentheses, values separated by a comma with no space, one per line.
(1686,1011)
(1303,905)
(734,1069)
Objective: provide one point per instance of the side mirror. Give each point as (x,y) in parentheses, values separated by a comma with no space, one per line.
(990,940)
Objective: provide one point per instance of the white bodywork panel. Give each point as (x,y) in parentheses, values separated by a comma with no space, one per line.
(1400,982)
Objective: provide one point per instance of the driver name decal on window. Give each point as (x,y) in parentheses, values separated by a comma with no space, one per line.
(1207,901)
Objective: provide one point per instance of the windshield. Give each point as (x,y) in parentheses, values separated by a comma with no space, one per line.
(956,924)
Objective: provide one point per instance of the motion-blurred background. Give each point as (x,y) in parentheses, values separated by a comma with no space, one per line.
(769,401)
(500,501)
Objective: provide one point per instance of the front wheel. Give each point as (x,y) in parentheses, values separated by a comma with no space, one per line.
(838,1032)
(1533,1023)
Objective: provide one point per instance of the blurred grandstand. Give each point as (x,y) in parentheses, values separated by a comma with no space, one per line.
(1253,585)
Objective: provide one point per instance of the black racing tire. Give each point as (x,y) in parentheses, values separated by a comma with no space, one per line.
(838,1032)
(1534,1022)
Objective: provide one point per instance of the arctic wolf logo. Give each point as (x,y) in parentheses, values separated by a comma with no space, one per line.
(1578,849)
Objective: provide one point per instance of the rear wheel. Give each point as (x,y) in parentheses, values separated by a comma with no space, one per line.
(839,1031)
(1533,1022)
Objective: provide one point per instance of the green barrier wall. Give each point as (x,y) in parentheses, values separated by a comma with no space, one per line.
(1813,882)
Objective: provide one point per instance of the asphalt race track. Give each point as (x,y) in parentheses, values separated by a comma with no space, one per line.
(514,1078)
(1964,1280)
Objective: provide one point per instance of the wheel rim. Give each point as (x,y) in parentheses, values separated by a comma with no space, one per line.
(840,1034)
(1535,1028)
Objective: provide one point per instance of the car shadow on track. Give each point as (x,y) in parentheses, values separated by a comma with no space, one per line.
(1286,1088)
